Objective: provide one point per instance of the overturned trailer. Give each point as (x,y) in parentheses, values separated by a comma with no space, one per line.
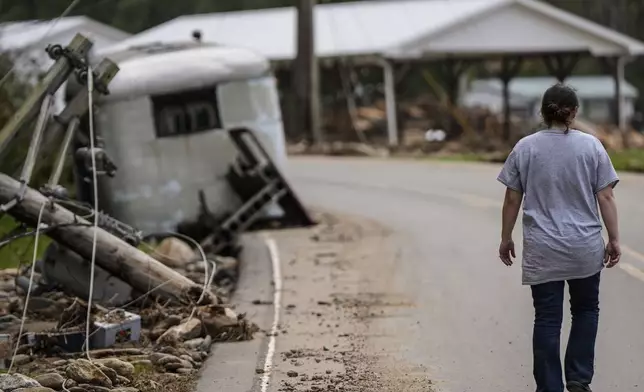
(187,133)
(167,123)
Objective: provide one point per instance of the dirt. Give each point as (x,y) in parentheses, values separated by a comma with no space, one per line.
(170,365)
(337,296)
(149,381)
(5,349)
(115,317)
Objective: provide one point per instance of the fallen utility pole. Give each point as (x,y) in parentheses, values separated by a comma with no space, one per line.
(141,271)
(133,266)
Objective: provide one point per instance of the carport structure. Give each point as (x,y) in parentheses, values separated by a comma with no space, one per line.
(453,32)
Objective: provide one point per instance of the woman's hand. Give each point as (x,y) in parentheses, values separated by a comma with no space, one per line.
(506,252)
(613,254)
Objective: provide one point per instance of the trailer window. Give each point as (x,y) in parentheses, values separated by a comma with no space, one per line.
(252,100)
(186,112)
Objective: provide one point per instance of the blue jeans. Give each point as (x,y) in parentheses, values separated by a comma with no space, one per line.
(580,353)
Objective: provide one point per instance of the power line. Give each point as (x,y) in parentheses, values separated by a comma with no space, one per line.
(90,88)
(31,280)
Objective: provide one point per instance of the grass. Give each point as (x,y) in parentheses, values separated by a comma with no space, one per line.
(19,251)
(628,160)
(461,157)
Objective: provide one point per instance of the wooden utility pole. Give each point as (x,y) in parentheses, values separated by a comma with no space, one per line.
(306,85)
(133,266)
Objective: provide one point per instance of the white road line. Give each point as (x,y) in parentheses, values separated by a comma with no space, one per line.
(633,253)
(632,271)
(277,306)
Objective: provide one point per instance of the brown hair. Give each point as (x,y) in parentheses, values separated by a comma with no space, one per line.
(558,105)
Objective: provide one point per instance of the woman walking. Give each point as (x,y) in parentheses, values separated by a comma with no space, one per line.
(561,175)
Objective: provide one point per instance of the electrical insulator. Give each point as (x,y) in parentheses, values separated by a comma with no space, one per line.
(104,165)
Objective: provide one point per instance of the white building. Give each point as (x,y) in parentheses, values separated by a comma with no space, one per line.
(596,95)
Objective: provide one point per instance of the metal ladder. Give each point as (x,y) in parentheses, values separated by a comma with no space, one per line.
(259,183)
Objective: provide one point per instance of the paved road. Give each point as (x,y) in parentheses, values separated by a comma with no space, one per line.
(472,322)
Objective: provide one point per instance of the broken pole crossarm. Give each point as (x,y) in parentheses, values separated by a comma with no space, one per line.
(54,179)
(54,78)
(30,161)
(77,107)
(133,266)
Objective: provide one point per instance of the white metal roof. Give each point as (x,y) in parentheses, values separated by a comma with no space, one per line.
(397,27)
(182,69)
(344,29)
(522,27)
(38,33)
(587,87)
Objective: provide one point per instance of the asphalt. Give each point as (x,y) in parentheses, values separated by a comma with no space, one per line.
(231,367)
(471,327)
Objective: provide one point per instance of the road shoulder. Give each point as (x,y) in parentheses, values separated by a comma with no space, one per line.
(231,367)
(337,299)
(337,296)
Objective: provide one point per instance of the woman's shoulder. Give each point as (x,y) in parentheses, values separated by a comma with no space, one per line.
(590,140)
(527,140)
(583,134)
(546,134)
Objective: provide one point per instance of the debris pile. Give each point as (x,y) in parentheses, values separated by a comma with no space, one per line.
(127,310)
(614,140)
(415,116)
(467,130)
(151,335)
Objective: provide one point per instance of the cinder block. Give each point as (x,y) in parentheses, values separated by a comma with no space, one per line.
(120,327)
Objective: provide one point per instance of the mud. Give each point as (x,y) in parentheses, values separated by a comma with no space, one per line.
(337,299)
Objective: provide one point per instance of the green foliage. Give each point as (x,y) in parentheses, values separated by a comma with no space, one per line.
(12,94)
(628,160)
(21,250)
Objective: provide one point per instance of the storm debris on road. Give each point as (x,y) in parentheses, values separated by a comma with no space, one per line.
(151,339)
(333,305)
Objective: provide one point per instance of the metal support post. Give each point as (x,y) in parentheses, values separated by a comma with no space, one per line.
(390,102)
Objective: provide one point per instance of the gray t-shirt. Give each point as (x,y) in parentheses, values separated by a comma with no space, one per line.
(560,175)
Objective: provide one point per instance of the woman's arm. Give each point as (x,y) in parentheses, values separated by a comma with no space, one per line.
(608,208)
(511,207)
(510,212)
